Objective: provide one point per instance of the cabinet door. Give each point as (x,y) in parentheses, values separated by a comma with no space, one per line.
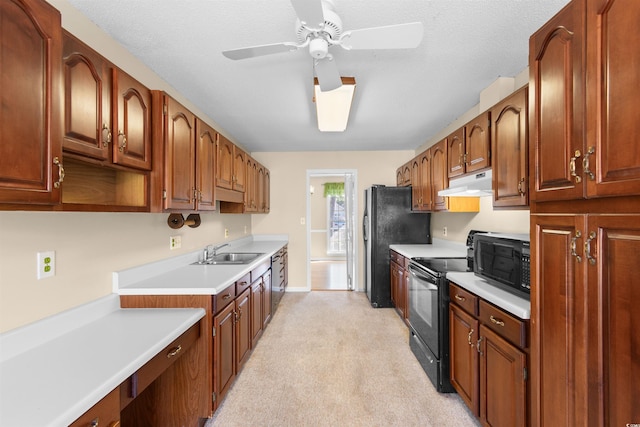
(478,143)
(394,279)
(243,328)
(456,151)
(260,190)
(426,181)
(205,166)
(559,321)
(31,98)
(463,336)
(267,191)
(224,171)
(239,169)
(503,391)
(439,180)
(399,177)
(257,300)
(613,316)
(613,71)
(266,298)
(87,100)
(131,122)
(510,151)
(179,170)
(416,184)
(224,352)
(401,301)
(556,92)
(250,201)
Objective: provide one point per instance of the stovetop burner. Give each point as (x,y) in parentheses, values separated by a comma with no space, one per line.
(441,266)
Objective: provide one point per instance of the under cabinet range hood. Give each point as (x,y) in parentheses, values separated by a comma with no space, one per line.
(473,185)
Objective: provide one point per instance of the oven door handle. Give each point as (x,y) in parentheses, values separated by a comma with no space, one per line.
(423,278)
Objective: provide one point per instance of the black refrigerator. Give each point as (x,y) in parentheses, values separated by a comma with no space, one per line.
(388,220)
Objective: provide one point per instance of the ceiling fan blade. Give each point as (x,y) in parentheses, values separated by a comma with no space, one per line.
(401,36)
(327,73)
(253,51)
(309,12)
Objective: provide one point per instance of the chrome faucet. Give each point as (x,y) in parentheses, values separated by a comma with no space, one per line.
(215,248)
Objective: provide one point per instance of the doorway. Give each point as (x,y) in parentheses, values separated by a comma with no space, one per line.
(331,219)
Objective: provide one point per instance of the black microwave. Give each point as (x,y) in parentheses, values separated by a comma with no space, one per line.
(503,260)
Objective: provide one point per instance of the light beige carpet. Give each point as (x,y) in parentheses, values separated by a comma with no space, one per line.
(329,359)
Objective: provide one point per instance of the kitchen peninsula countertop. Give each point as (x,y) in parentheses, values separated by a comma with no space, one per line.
(54,370)
(177,276)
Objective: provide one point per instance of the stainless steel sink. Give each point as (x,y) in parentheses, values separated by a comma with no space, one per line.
(230,258)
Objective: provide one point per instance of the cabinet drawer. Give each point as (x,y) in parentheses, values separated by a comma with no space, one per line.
(243,283)
(396,257)
(463,298)
(260,270)
(151,370)
(104,413)
(509,327)
(224,298)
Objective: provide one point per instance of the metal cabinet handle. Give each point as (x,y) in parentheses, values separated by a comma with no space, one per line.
(174,351)
(587,248)
(57,162)
(123,144)
(574,246)
(469,337)
(226,297)
(459,298)
(585,163)
(107,140)
(496,321)
(521,190)
(478,345)
(572,166)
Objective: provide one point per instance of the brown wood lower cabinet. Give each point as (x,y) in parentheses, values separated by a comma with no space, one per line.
(400,284)
(488,350)
(228,336)
(104,413)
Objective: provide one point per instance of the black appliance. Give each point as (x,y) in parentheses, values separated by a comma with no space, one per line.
(429,316)
(388,220)
(504,261)
(470,247)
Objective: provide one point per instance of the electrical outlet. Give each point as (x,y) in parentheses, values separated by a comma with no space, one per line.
(302,221)
(444,231)
(226,233)
(245,229)
(175,242)
(46,264)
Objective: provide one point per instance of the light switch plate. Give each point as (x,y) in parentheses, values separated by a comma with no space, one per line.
(175,242)
(46,264)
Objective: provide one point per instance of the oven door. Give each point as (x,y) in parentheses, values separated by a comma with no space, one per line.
(423,307)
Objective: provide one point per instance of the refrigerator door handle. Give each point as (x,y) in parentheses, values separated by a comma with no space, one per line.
(365,228)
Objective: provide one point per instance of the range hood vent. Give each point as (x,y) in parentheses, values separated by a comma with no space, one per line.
(473,185)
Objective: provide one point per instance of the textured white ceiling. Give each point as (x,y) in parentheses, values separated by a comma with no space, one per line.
(403,97)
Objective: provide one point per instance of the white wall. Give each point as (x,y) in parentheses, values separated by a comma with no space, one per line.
(288,199)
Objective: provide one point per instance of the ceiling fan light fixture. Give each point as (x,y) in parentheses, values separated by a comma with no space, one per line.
(333,107)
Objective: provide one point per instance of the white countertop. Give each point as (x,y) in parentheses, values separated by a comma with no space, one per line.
(438,249)
(177,276)
(509,302)
(54,370)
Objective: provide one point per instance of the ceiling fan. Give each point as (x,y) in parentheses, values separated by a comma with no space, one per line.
(319,27)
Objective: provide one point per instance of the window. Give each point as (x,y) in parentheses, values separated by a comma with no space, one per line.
(336,235)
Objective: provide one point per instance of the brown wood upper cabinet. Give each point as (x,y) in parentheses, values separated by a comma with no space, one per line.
(469,148)
(403,175)
(510,151)
(186,149)
(107,113)
(583,140)
(31,98)
(231,170)
(439,180)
